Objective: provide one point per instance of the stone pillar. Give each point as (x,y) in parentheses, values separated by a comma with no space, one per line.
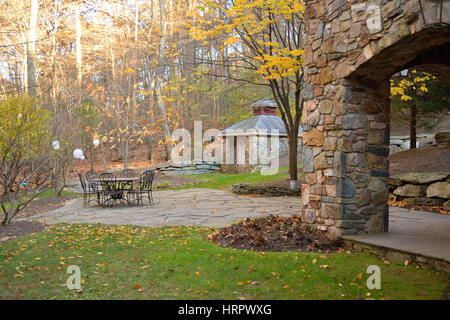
(352,48)
(345,157)
(346,130)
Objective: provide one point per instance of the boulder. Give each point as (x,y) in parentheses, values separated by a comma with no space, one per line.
(395,181)
(407,145)
(427,142)
(394,149)
(420,177)
(439,190)
(411,190)
(446,206)
(443,139)
(396,142)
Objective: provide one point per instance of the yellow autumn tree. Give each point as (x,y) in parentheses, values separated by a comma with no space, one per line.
(263,36)
(25,153)
(421,97)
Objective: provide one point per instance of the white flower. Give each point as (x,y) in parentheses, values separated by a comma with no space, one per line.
(96,142)
(55,145)
(78,154)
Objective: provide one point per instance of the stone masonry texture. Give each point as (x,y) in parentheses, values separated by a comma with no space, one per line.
(352,48)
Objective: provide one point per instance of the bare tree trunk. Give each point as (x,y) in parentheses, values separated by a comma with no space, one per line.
(25,64)
(78,52)
(135,57)
(293,145)
(54,102)
(105,166)
(127,153)
(160,76)
(413,126)
(31,48)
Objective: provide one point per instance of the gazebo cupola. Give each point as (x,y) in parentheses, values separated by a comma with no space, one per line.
(264,107)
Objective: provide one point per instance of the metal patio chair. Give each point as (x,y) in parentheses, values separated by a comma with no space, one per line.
(143,189)
(88,192)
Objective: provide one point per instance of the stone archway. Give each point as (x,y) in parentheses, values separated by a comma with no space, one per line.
(352,49)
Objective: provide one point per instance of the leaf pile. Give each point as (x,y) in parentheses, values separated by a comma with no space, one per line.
(274,233)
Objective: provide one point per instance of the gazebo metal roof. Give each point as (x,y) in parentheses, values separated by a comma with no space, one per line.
(264,103)
(256,125)
(259,124)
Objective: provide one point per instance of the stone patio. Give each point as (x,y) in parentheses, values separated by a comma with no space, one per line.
(188,207)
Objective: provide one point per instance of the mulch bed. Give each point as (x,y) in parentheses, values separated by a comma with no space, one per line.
(282,184)
(426,159)
(275,233)
(163,181)
(23,228)
(43,205)
(20,229)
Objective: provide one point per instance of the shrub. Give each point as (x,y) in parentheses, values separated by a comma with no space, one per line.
(25,153)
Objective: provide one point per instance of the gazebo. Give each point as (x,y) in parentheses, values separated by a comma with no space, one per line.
(254,132)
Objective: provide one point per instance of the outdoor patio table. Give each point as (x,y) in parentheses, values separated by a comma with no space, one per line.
(121,185)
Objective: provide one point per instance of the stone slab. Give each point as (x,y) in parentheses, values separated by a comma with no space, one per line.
(417,232)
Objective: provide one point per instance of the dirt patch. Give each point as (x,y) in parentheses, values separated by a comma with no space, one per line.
(163,181)
(23,228)
(426,159)
(43,205)
(20,229)
(274,233)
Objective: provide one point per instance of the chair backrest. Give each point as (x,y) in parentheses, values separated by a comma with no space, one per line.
(91,175)
(147,179)
(106,176)
(83,183)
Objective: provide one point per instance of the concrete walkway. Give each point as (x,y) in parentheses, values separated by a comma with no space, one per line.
(417,232)
(187,207)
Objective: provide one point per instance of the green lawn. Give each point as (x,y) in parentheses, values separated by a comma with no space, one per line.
(52,193)
(127,262)
(224,181)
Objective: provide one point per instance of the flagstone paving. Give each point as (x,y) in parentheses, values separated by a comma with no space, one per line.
(188,207)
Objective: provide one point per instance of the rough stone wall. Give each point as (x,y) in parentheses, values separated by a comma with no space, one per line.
(352,48)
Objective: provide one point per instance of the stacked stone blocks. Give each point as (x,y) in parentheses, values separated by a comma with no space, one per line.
(346,111)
